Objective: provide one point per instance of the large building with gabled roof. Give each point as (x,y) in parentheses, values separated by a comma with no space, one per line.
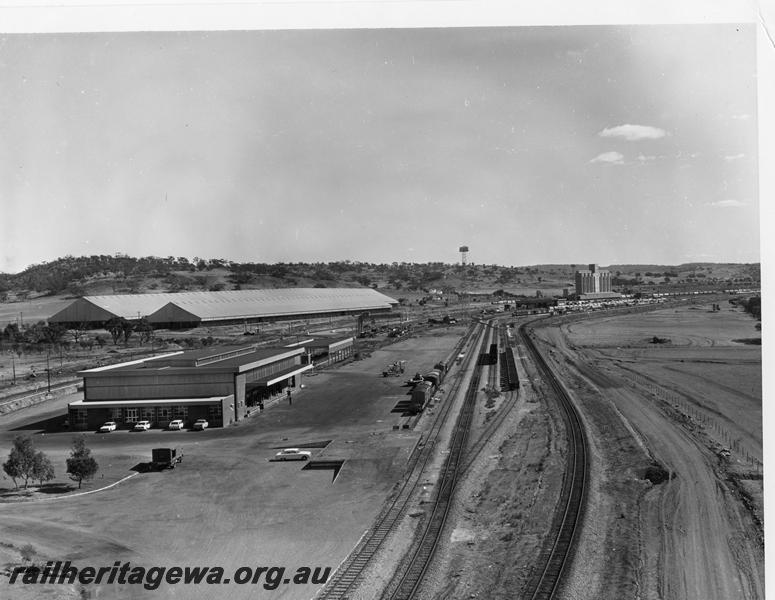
(190,309)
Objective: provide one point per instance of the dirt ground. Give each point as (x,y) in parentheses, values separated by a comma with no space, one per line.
(694,407)
(225,505)
(689,409)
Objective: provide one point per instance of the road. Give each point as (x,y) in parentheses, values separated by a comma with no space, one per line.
(226,504)
(695,541)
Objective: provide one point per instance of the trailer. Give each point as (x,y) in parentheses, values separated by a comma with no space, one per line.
(165,458)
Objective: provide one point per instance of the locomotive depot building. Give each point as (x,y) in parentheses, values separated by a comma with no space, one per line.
(193,309)
(219,384)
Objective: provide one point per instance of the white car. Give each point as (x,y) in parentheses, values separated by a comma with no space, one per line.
(293,454)
(108,426)
(176,424)
(142,426)
(200,424)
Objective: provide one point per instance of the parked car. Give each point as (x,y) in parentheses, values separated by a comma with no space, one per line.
(142,426)
(176,424)
(108,426)
(293,454)
(200,424)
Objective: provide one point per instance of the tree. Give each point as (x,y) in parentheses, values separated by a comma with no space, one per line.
(12,333)
(127,328)
(53,333)
(115,328)
(145,329)
(81,465)
(21,460)
(78,331)
(42,469)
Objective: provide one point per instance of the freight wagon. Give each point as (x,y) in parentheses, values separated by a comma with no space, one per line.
(421,394)
(493,358)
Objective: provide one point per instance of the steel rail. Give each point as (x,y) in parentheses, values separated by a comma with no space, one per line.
(504,409)
(560,544)
(406,583)
(350,572)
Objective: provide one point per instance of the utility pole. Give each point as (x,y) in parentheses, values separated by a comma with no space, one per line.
(48,371)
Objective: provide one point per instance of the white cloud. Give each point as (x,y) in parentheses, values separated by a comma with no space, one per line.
(741,117)
(613,158)
(728,204)
(633,133)
(734,157)
(644,159)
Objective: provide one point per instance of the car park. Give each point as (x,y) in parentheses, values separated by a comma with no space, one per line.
(293,454)
(108,426)
(201,424)
(176,424)
(142,426)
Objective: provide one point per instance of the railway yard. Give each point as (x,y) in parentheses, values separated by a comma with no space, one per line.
(563,457)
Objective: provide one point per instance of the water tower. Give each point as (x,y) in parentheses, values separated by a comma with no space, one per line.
(463,254)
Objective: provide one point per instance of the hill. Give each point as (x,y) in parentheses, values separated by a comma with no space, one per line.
(95,275)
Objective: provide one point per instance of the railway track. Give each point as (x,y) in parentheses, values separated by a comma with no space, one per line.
(43,389)
(347,577)
(409,575)
(557,552)
(509,382)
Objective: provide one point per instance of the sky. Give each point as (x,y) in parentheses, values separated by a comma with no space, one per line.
(608,144)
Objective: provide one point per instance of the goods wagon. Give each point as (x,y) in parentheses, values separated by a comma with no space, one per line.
(421,393)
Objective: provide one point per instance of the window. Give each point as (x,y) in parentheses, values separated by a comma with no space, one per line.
(130,415)
(163,413)
(180,412)
(80,416)
(149,413)
(116,413)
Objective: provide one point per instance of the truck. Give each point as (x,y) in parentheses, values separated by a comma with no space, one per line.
(165,458)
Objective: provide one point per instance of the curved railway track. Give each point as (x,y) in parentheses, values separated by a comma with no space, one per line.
(557,552)
(350,572)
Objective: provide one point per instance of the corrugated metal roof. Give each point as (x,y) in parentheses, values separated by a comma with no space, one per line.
(128,306)
(246,304)
(234,304)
